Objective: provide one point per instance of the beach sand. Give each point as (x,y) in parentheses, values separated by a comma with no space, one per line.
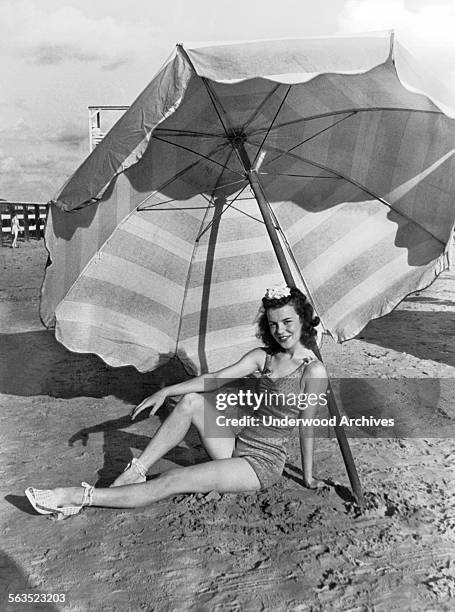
(64,419)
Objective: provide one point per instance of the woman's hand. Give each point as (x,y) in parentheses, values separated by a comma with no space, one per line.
(155,400)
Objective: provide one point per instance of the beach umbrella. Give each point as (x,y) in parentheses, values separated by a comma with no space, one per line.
(326,161)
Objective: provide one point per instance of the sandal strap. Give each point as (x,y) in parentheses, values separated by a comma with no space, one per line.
(138,466)
(87,499)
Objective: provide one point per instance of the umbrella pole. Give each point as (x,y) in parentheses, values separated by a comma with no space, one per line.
(332,405)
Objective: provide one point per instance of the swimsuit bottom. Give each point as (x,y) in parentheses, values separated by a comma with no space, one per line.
(266,459)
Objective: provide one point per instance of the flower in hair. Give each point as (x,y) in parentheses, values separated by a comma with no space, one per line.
(278,292)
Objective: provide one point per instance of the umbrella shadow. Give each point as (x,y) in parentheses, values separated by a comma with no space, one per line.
(295,474)
(413,407)
(34,363)
(424,334)
(118,445)
(82,217)
(13,579)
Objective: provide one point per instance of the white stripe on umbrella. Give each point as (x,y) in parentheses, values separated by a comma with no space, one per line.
(137,278)
(84,322)
(365,293)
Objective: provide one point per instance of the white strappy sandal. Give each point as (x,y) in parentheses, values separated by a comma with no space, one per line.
(139,467)
(44,502)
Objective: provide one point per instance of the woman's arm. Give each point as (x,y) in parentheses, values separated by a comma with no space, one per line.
(314,381)
(206,382)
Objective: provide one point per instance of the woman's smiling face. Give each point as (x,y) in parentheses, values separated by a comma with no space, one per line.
(285,326)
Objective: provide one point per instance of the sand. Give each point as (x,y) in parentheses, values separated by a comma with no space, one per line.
(63,419)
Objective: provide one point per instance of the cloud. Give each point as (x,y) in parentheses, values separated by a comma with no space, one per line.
(18,130)
(426,29)
(34,177)
(71,136)
(114,65)
(7,164)
(22,104)
(429,23)
(44,37)
(46,54)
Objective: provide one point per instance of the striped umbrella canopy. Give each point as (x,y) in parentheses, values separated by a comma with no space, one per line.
(157,244)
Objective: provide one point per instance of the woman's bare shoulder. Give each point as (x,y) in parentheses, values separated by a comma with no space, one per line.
(258,355)
(315,369)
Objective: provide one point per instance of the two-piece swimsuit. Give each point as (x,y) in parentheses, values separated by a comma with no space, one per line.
(264,445)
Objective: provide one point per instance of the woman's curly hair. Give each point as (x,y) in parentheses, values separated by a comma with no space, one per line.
(302,307)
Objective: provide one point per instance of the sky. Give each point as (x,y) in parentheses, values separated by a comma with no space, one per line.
(58,57)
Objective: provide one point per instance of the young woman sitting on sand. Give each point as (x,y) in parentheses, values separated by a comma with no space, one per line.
(250,461)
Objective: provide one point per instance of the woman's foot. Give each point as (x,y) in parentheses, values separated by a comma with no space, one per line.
(314,483)
(135,473)
(60,502)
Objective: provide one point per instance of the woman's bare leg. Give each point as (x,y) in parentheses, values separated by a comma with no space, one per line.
(223,475)
(192,409)
(308,454)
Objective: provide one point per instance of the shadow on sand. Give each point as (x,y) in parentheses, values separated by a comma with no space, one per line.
(117,445)
(432,340)
(13,580)
(34,363)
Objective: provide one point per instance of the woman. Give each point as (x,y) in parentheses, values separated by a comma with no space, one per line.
(15,229)
(253,459)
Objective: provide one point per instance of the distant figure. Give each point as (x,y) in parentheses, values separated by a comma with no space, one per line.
(15,229)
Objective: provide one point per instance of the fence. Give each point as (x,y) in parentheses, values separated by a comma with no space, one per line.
(32,218)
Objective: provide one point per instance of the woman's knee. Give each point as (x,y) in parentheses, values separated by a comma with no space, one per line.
(190,403)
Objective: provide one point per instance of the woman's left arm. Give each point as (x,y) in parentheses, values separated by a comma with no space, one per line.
(314,379)
(314,384)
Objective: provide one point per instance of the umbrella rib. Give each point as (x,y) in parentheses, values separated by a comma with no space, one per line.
(176,176)
(215,103)
(298,175)
(212,199)
(152,207)
(217,185)
(248,215)
(271,125)
(351,110)
(366,190)
(196,153)
(166,183)
(207,87)
(228,184)
(309,138)
(215,219)
(171,132)
(253,116)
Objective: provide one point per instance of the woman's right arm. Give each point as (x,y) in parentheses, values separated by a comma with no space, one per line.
(206,382)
